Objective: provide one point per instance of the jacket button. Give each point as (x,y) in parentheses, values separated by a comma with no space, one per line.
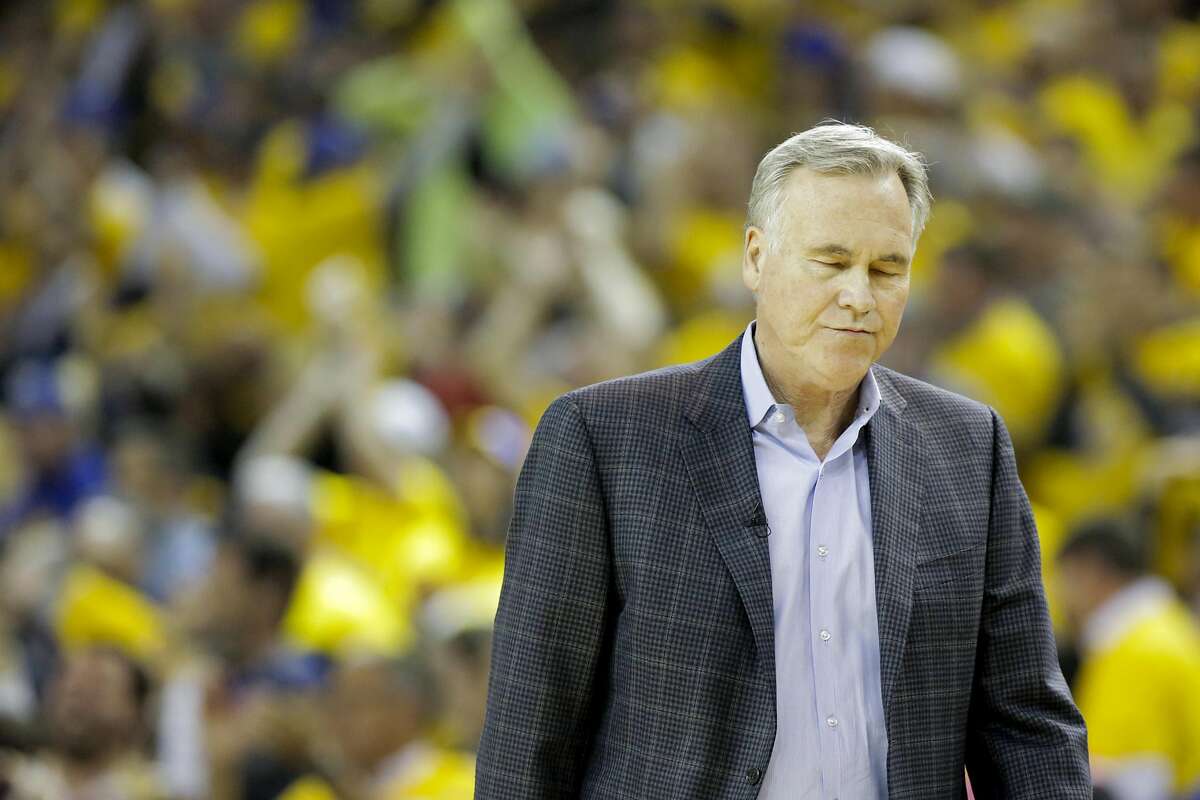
(753,775)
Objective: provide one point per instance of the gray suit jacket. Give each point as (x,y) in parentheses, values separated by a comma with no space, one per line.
(633,653)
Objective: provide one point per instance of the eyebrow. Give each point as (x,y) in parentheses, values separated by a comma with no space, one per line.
(844,252)
(894,258)
(831,250)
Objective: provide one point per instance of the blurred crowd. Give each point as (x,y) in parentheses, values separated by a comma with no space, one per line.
(286,284)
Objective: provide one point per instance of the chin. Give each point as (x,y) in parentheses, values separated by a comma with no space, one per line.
(845,373)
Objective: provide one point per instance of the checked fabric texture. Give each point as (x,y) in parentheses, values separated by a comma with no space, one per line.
(634,654)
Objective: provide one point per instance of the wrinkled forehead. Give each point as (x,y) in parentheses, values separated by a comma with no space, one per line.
(819,205)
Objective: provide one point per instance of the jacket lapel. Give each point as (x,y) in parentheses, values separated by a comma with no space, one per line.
(895,454)
(718,453)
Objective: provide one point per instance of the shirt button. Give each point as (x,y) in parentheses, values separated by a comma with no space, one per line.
(779,417)
(753,775)
(822,551)
(825,636)
(831,722)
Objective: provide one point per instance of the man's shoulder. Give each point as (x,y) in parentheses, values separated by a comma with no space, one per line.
(657,395)
(655,391)
(928,396)
(652,400)
(938,410)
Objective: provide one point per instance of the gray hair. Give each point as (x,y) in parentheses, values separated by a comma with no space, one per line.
(835,148)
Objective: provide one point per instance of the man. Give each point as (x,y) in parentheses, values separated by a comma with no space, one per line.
(461,663)
(61,470)
(784,571)
(1140,667)
(95,714)
(232,713)
(380,713)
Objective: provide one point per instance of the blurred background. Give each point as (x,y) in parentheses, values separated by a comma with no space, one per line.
(286,284)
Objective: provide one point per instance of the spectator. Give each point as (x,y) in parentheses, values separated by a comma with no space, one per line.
(380,713)
(151,474)
(1140,665)
(60,470)
(233,711)
(95,715)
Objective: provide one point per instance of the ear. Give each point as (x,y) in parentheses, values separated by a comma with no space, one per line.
(754,251)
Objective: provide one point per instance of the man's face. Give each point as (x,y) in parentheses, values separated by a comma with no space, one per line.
(231,606)
(464,680)
(91,705)
(47,439)
(368,716)
(836,257)
(1080,585)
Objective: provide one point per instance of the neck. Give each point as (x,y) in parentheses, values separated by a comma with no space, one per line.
(80,771)
(400,745)
(822,412)
(256,648)
(1105,589)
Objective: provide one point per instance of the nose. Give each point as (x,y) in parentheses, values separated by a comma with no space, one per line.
(855,292)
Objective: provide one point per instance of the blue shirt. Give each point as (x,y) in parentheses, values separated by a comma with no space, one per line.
(830,739)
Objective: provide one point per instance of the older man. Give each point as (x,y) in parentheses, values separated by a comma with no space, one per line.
(784,571)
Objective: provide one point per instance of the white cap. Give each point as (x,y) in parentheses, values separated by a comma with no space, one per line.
(914,62)
(408,418)
(277,481)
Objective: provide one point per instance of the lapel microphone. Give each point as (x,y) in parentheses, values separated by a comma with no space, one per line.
(758,524)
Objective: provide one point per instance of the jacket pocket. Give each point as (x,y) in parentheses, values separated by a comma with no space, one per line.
(959,565)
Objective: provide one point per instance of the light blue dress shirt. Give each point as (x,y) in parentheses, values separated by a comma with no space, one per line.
(830,740)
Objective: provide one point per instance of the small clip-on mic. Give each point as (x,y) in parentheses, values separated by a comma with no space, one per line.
(758,524)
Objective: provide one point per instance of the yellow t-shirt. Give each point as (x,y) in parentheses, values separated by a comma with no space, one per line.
(436,775)
(95,609)
(377,556)
(428,773)
(1139,690)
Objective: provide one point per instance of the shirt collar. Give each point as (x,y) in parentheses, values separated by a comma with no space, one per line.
(1124,609)
(760,401)
(404,761)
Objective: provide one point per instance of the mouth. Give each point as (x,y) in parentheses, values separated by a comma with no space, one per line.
(858,331)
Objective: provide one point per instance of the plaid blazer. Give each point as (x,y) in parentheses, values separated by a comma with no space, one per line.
(633,653)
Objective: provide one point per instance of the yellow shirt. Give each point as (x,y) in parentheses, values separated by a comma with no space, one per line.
(377,555)
(1139,685)
(419,772)
(425,772)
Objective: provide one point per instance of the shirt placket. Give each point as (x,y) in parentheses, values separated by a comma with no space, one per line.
(822,553)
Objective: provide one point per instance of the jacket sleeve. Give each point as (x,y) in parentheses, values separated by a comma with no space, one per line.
(1026,739)
(551,627)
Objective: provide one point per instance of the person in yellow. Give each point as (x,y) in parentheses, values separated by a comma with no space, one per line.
(387,529)
(1138,685)
(376,742)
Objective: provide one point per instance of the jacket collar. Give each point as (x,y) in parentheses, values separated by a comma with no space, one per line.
(719,456)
